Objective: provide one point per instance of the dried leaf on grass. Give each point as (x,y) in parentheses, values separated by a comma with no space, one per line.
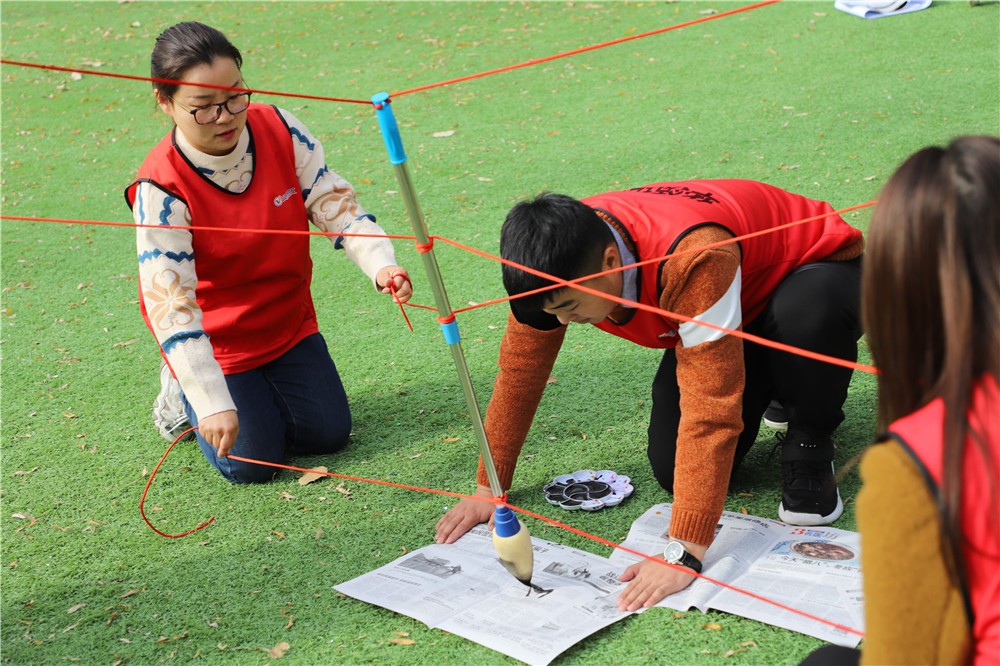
(309,477)
(403,641)
(343,490)
(278,651)
(713,626)
(444,134)
(73,609)
(22,472)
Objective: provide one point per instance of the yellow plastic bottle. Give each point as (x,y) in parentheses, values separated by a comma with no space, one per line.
(513,544)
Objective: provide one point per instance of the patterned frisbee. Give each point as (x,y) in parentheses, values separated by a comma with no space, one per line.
(588,490)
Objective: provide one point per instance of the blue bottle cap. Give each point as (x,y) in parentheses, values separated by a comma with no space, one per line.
(505,523)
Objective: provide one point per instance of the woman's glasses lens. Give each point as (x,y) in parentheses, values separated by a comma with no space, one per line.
(235,105)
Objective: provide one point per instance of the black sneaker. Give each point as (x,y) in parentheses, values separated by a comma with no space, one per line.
(809,489)
(775,417)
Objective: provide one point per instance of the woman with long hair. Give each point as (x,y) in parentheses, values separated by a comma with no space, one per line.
(929,509)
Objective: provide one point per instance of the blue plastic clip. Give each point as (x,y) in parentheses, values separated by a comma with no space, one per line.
(390,130)
(450,330)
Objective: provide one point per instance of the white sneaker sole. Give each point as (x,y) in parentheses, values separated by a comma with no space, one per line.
(810,519)
(775,425)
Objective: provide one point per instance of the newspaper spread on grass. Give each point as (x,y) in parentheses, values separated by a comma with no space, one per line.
(462,588)
(816,570)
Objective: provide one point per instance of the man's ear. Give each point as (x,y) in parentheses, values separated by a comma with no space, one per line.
(612,258)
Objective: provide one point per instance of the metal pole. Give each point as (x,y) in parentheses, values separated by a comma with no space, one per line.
(397,156)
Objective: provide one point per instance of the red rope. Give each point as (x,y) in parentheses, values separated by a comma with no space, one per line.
(496,501)
(559,283)
(584,49)
(658,560)
(131,77)
(392,292)
(289,232)
(259,91)
(149,482)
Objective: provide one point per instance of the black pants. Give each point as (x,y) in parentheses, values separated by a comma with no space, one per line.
(832,655)
(817,307)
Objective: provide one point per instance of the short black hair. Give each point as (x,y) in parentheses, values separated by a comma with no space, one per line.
(555,234)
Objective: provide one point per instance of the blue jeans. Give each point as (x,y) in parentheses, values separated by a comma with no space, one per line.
(295,404)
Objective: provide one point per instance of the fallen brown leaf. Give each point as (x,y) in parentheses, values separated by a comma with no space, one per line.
(403,641)
(129,594)
(22,472)
(317,474)
(343,490)
(285,495)
(278,651)
(713,626)
(73,609)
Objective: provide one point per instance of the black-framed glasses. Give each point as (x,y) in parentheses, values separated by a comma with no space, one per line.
(206,115)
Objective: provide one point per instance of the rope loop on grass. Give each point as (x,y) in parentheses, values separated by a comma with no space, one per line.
(149,482)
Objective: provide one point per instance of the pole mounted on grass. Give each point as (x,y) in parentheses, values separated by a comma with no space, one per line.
(510,536)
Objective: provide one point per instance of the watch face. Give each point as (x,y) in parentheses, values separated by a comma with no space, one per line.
(673,552)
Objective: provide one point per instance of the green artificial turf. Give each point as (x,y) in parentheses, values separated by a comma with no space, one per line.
(796,94)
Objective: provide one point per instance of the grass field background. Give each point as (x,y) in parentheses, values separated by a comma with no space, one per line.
(795,94)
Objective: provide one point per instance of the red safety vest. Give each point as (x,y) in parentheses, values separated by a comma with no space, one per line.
(921,434)
(658,216)
(253,289)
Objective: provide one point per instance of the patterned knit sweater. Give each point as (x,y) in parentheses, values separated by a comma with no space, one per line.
(168,271)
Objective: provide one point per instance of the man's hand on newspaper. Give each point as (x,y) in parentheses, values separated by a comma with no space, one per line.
(464,516)
(652,581)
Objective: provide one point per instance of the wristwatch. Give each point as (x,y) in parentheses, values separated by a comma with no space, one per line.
(675,553)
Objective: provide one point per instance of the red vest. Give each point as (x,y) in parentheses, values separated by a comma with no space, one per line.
(658,216)
(921,434)
(253,289)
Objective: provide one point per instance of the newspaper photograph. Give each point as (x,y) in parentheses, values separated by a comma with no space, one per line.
(816,570)
(463,588)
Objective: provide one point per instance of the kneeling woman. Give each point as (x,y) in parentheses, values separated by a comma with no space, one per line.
(233,311)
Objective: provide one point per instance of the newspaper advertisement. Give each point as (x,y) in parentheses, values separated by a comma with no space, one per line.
(463,588)
(816,570)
